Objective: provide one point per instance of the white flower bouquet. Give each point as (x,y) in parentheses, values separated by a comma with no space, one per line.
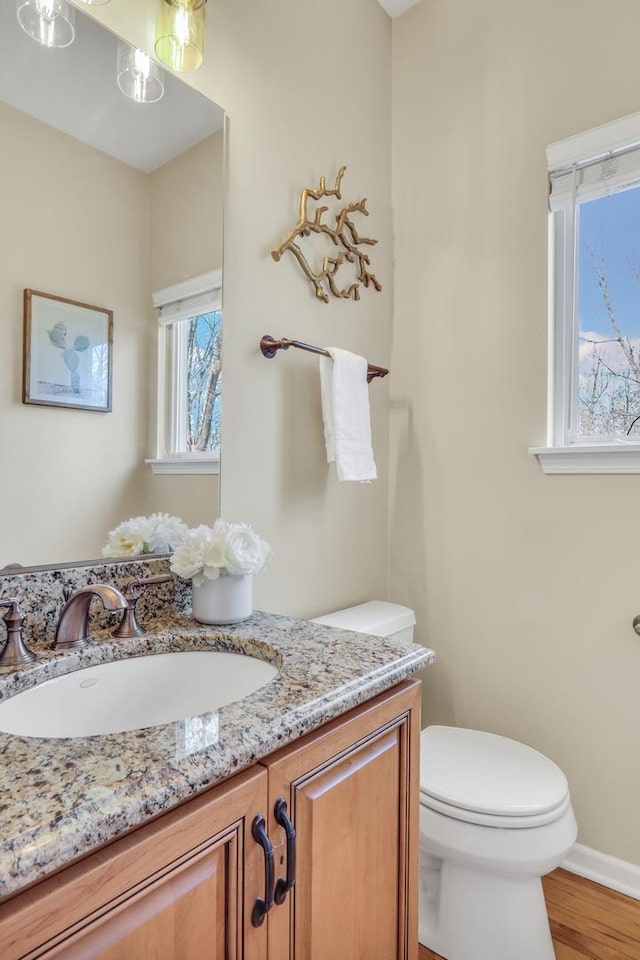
(206,553)
(157,533)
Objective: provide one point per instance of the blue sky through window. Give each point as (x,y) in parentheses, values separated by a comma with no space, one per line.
(609,314)
(610,229)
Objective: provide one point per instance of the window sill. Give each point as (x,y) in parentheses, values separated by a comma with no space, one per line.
(601,459)
(184,465)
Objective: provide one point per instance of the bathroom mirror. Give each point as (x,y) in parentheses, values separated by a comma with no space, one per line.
(105,201)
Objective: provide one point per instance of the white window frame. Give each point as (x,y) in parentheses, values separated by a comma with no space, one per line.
(178,303)
(564,453)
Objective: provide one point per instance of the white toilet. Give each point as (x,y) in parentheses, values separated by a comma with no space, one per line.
(495,816)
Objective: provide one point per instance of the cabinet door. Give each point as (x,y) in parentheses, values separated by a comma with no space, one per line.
(352,794)
(177,889)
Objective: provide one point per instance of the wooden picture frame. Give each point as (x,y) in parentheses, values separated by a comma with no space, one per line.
(68,353)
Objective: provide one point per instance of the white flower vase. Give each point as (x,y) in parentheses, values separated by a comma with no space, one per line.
(229,599)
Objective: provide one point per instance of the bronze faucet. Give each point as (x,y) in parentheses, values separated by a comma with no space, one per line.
(73,626)
(14,652)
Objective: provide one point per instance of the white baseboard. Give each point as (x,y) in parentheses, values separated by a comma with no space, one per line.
(601,868)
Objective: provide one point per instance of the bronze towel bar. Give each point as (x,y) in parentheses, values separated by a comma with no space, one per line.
(269,347)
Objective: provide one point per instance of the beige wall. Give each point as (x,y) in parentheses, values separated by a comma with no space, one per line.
(526,585)
(186,197)
(66,476)
(306,89)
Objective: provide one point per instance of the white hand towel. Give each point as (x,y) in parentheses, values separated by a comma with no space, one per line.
(345,410)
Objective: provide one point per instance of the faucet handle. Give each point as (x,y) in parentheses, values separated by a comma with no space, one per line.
(132,587)
(129,626)
(14,652)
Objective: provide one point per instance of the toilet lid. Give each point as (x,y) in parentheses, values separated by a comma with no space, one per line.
(487,774)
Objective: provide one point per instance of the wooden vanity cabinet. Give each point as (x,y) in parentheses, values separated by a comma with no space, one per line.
(352,793)
(184,886)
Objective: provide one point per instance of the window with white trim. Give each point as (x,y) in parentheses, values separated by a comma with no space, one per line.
(594,415)
(189,375)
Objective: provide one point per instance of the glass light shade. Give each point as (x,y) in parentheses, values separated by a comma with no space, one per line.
(138,76)
(50,22)
(93,3)
(180,34)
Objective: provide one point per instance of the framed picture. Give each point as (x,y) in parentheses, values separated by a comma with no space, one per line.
(67,353)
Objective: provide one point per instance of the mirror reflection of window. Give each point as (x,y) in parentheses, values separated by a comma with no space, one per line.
(189,374)
(202,382)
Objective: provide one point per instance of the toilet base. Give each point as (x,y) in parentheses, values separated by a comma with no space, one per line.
(465,915)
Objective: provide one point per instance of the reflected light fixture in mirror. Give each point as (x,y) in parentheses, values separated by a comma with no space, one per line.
(50,22)
(139,77)
(180,34)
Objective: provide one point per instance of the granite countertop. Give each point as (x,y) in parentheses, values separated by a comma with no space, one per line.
(61,798)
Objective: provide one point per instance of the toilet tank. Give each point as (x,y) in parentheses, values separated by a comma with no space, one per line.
(378,617)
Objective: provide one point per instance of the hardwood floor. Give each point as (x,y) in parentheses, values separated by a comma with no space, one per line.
(588,922)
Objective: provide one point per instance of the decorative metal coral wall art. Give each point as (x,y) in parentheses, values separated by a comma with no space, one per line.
(344,235)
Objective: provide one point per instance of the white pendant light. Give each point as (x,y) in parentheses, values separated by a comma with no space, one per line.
(50,22)
(139,77)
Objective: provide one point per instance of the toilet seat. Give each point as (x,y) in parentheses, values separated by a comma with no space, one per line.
(495,820)
(489,780)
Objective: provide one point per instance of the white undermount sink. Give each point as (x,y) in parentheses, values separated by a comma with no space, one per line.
(133,693)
